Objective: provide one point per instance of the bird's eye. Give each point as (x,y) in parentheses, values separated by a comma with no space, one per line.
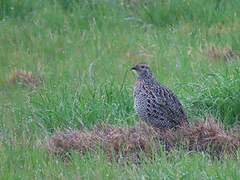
(142,67)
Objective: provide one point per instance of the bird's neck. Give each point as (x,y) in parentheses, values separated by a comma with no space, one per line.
(145,78)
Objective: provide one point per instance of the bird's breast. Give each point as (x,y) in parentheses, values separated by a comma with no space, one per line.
(137,88)
(140,104)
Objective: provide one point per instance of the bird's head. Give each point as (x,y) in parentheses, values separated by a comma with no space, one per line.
(143,71)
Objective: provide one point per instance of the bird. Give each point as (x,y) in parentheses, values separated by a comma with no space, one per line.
(154,103)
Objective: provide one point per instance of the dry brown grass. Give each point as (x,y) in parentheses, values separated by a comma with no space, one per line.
(23,77)
(129,142)
(214,52)
(230,27)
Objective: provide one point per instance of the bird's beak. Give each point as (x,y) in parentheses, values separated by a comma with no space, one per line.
(134,68)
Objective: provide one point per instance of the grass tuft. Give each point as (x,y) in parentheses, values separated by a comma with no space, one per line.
(217,94)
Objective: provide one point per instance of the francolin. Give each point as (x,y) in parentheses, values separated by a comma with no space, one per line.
(154,103)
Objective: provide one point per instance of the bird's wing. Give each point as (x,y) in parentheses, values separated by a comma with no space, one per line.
(166,104)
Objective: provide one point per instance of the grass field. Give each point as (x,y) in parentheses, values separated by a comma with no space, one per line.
(82,51)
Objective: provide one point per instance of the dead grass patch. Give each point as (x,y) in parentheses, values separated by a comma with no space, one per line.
(231,27)
(217,52)
(23,77)
(129,142)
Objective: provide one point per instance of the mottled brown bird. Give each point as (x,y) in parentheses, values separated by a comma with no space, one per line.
(154,103)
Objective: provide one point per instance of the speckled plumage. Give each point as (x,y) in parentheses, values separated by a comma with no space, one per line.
(154,103)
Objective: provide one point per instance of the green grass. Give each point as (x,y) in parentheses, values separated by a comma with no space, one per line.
(84,51)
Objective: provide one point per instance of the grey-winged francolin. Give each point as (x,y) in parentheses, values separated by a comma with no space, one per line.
(154,103)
